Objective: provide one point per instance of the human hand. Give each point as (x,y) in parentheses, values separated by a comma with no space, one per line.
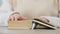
(16,17)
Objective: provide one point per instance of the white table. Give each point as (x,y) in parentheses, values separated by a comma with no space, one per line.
(5,30)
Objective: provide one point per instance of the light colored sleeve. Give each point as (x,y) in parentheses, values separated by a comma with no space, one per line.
(53,20)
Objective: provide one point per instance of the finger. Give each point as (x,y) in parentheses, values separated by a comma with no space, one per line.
(12,18)
(9,19)
(16,18)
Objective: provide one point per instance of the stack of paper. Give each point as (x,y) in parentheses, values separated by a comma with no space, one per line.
(24,24)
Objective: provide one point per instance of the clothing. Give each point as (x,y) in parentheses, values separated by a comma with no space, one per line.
(5,8)
(53,20)
(36,8)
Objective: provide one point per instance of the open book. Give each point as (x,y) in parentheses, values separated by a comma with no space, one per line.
(35,21)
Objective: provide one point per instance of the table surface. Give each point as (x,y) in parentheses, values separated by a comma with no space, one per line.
(5,30)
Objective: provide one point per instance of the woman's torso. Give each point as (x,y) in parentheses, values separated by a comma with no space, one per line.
(33,8)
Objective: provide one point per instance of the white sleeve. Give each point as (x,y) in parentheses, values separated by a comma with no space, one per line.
(53,20)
